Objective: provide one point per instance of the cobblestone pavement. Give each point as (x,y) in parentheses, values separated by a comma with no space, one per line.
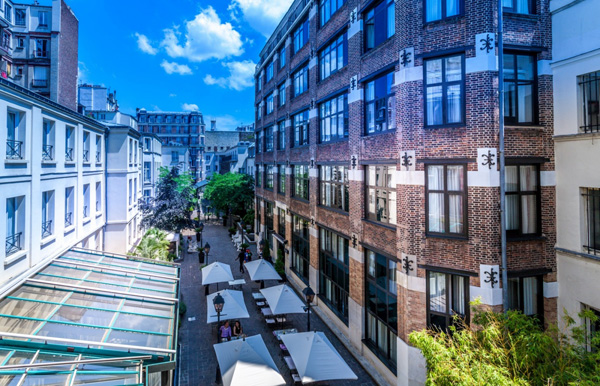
(198,362)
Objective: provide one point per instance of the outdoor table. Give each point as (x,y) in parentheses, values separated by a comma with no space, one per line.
(290,363)
(278,333)
(238,282)
(261,304)
(258,296)
(266,311)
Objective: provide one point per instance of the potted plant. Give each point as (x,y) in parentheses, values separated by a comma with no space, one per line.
(280,265)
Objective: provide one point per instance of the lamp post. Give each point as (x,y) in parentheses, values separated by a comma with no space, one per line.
(309,294)
(218,302)
(206,250)
(199,233)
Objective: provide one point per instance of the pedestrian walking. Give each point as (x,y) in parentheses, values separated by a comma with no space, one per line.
(225,331)
(201,256)
(241,257)
(248,256)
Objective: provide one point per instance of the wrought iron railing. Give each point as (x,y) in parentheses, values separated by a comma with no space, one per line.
(68,219)
(98,206)
(47,153)
(14,149)
(39,82)
(85,211)
(98,157)
(46,229)
(13,243)
(86,155)
(69,154)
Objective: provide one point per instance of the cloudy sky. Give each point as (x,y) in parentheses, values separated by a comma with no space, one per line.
(177,54)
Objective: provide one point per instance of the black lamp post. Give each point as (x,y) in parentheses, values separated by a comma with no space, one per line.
(309,294)
(206,250)
(218,302)
(199,233)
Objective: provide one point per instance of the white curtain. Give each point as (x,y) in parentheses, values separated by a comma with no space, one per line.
(435,181)
(455,201)
(453,107)
(458,294)
(452,7)
(522,6)
(434,105)
(512,201)
(437,291)
(433,10)
(530,295)
(529,203)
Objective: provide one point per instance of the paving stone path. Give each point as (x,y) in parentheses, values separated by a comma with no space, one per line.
(198,362)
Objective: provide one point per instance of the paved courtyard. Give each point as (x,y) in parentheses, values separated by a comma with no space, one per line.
(198,362)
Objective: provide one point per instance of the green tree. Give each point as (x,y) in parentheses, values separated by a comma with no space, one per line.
(231,193)
(154,245)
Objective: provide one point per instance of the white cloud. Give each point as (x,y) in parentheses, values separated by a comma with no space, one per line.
(205,38)
(144,44)
(262,15)
(175,68)
(82,72)
(241,76)
(172,95)
(189,107)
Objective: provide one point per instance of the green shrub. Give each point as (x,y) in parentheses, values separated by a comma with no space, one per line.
(280,263)
(182,308)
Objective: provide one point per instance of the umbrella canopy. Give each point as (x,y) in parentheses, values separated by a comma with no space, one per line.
(216,273)
(234,307)
(247,363)
(315,357)
(283,300)
(261,270)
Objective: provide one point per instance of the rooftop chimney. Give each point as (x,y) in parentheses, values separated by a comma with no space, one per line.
(213,125)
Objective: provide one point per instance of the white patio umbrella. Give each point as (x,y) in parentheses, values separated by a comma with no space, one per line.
(216,273)
(234,307)
(261,270)
(247,362)
(283,300)
(315,357)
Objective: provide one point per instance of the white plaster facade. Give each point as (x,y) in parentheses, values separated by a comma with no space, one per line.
(151,163)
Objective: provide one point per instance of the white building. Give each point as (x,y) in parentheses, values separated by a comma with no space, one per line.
(576,70)
(152,161)
(51,180)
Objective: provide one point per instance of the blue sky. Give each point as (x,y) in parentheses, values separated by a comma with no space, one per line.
(178,54)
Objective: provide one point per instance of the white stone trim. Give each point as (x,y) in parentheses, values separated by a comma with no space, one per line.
(356,175)
(313,172)
(416,177)
(288,82)
(355,28)
(356,255)
(489,296)
(312,63)
(551,289)
(411,283)
(313,279)
(482,179)
(288,170)
(412,367)
(313,113)
(355,95)
(355,321)
(409,74)
(314,232)
(313,11)
(543,67)
(281,205)
(548,178)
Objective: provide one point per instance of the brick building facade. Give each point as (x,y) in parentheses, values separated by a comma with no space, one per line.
(377,141)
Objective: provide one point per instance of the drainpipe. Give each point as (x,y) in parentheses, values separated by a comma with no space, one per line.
(105,189)
(502,158)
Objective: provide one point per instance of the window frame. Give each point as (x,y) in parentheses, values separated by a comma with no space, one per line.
(281,95)
(445,84)
(300,36)
(270,104)
(449,298)
(373,216)
(513,121)
(388,115)
(281,178)
(270,177)
(282,57)
(300,181)
(269,72)
(338,3)
(327,259)
(447,193)
(444,10)
(513,8)
(585,104)
(336,115)
(269,139)
(344,187)
(301,129)
(281,137)
(591,206)
(540,292)
(303,238)
(269,212)
(329,50)
(300,81)
(518,234)
(281,222)
(387,4)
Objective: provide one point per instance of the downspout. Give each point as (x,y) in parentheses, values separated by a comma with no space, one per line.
(502,158)
(105,189)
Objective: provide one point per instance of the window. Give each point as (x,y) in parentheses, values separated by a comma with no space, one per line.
(301,81)
(47,213)
(269,138)
(98,148)
(281,94)
(381,193)
(86,201)
(15,135)
(333,57)
(41,48)
(300,247)
(301,128)
(525,294)
(69,144)
(270,71)
(282,57)
(43,17)
(281,180)
(20,44)
(592,210)
(130,193)
(522,200)
(334,187)
(258,177)
(380,23)
(47,140)
(147,143)
(260,142)
(380,104)
(174,157)
(259,83)
(259,111)
(98,197)
(334,275)
(382,307)
(270,177)
(441,9)
(20,70)
(269,216)
(6,43)
(444,91)
(300,36)
(589,102)
(69,207)
(281,222)
(281,135)
(8,12)
(20,15)
(86,147)
(446,199)
(15,225)
(592,328)
(518,6)
(328,8)
(447,296)
(333,119)
(270,103)
(147,171)
(301,182)
(519,89)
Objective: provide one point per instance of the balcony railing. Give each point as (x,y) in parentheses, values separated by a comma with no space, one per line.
(47,153)
(98,157)
(39,83)
(69,154)
(14,149)
(68,219)
(13,244)
(98,206)
(85,211)
(86,156)
(46,229)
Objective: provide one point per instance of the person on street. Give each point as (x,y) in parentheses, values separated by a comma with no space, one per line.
(241,257)
(237,329)
(225,331)
(248,257)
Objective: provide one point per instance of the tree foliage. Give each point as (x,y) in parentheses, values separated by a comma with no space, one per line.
(154,245)
(232,193)
(511,349)
(171,209)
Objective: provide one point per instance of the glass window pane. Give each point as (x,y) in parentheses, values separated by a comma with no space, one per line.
(433,71)
(437,291)
(136,339)
(530,295)
(145,323)
(455,203)
(525,102)
(68,331)
(453,68)
(453,104)
(436,212)
(512,178)
(529,214)
(83,316)
(433,10)
(455,178)
(512,212)
(18,326)
(148,308)
(528,178)
(26,309)
(95,301)
(434,105)
(525,65)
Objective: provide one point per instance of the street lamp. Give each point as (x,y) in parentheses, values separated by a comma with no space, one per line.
(206,250)
(199,233)
(218,302)
(309,294)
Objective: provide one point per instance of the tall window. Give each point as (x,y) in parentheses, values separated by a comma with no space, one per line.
(333,57)
(281,94)
(47,213)
(522,200)
(301,128)
(444,91)
(442,9)
(525,294)
(447,296)
(282,57)
(8,12)
(269,216)
(260,142)
(15,224)
(300,247)
(69,206)
(301,182)
(381,310)
(281,135)
(41,48)
(381,193)
(270,104)
(259,111)
(281,222)
(99,197)
(518,6)
(301,81)
(269,138)
(15,136)
(300,36)
(147,172)
(380,23)
(592,328)
(519,89)
(281,179)
(333,119)
(334,187)
(328,8)
(334,280)
(259,83)
(47,140)
(258,177)
(379,106)
(270,71)
(446,199)
(592,209)
(270,177)
(69,144)
(589,102)
(20,15)
(43,19)
(98,148)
